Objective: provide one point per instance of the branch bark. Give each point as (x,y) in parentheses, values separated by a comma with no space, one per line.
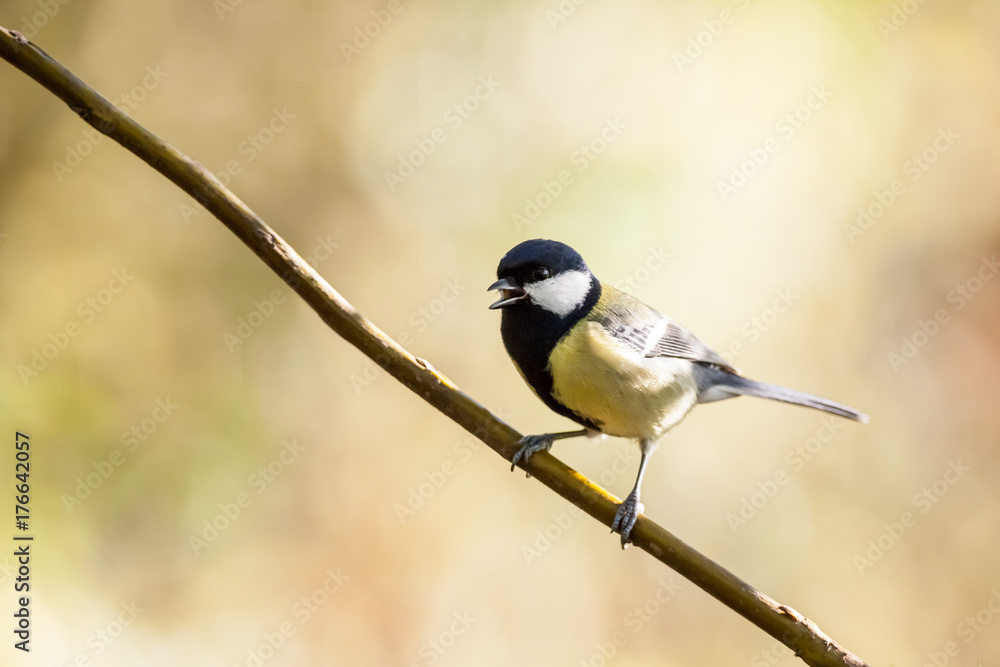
(783,623)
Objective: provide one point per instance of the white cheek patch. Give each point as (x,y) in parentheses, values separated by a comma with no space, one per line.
(561,294)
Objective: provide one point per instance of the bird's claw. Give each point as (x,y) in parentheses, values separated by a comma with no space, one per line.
(626,516)
(530,444)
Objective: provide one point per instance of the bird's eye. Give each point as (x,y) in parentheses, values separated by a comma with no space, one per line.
(541,273)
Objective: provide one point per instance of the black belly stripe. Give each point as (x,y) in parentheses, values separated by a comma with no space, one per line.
(541,383)
(530,333)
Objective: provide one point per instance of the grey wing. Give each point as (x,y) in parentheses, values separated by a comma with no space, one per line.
(653,334)
(677,341)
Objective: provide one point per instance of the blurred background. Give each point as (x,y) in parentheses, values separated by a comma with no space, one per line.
(218,479)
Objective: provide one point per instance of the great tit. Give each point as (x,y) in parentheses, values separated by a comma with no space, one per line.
(609,362)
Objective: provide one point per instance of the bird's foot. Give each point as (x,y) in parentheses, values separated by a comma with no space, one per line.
(626,516)
(529,445)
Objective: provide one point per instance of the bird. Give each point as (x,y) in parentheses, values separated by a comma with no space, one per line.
(607,361)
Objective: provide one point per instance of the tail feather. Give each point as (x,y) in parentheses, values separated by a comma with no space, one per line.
(716,384)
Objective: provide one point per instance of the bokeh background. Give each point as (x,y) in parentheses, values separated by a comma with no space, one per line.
(810,187)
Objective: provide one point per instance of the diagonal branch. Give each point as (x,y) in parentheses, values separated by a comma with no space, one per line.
(784,624)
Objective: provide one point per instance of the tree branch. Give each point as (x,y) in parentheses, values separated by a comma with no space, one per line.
(784,624)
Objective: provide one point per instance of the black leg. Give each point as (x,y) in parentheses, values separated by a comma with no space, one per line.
(628,512)
(540,443)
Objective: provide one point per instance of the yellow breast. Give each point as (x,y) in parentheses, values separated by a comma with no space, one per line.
(629,395)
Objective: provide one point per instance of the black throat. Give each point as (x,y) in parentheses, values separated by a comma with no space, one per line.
(530,333)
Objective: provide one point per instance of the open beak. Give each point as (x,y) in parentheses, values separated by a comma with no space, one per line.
(510,293)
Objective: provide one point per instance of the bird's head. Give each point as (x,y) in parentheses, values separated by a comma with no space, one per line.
(544,274)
